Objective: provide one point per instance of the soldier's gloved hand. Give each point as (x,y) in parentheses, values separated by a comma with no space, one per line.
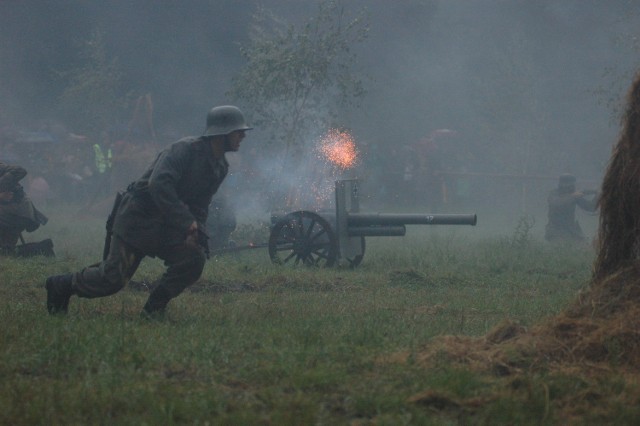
(192,234)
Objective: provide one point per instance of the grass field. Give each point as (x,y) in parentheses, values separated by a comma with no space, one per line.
(257,344)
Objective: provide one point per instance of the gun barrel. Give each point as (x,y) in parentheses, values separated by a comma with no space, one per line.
(391,219)
(377,231)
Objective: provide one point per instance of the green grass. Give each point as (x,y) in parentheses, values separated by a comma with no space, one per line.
(261,344)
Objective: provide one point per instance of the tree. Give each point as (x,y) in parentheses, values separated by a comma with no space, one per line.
(93,100)
(297,79)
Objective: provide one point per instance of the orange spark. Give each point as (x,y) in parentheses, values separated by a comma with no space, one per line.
(339,148)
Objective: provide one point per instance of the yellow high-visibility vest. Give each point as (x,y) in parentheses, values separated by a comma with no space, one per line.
(103,162)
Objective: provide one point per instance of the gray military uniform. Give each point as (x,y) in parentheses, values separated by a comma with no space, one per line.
(153,219)
(562,224)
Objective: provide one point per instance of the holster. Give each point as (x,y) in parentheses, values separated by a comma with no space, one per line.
(109,224)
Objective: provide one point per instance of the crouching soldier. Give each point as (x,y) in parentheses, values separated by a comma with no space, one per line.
(163,214)
(18,214)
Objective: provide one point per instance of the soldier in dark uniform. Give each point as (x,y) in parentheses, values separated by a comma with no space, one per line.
(562,224)
(163,214)
(18,214)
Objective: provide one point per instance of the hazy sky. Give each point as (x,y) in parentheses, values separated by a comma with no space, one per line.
(524,83)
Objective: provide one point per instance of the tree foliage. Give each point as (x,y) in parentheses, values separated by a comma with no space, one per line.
(93,99)
(297,79)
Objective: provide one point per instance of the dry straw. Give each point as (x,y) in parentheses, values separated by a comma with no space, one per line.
(619,233)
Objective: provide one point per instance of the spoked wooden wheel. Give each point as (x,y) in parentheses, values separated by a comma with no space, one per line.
(303,237)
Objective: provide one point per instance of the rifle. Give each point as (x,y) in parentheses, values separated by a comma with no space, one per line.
(109,224)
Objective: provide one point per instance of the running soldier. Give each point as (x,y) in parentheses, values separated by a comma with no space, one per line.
(163,214)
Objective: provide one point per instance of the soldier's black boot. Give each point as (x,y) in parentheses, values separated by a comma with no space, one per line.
(156,304)
(59,291)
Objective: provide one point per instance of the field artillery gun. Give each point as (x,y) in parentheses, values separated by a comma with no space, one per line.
(326,238)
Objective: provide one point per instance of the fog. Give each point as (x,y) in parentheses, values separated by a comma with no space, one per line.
(529,90)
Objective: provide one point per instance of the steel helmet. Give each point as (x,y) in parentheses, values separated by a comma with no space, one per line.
(222,120)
